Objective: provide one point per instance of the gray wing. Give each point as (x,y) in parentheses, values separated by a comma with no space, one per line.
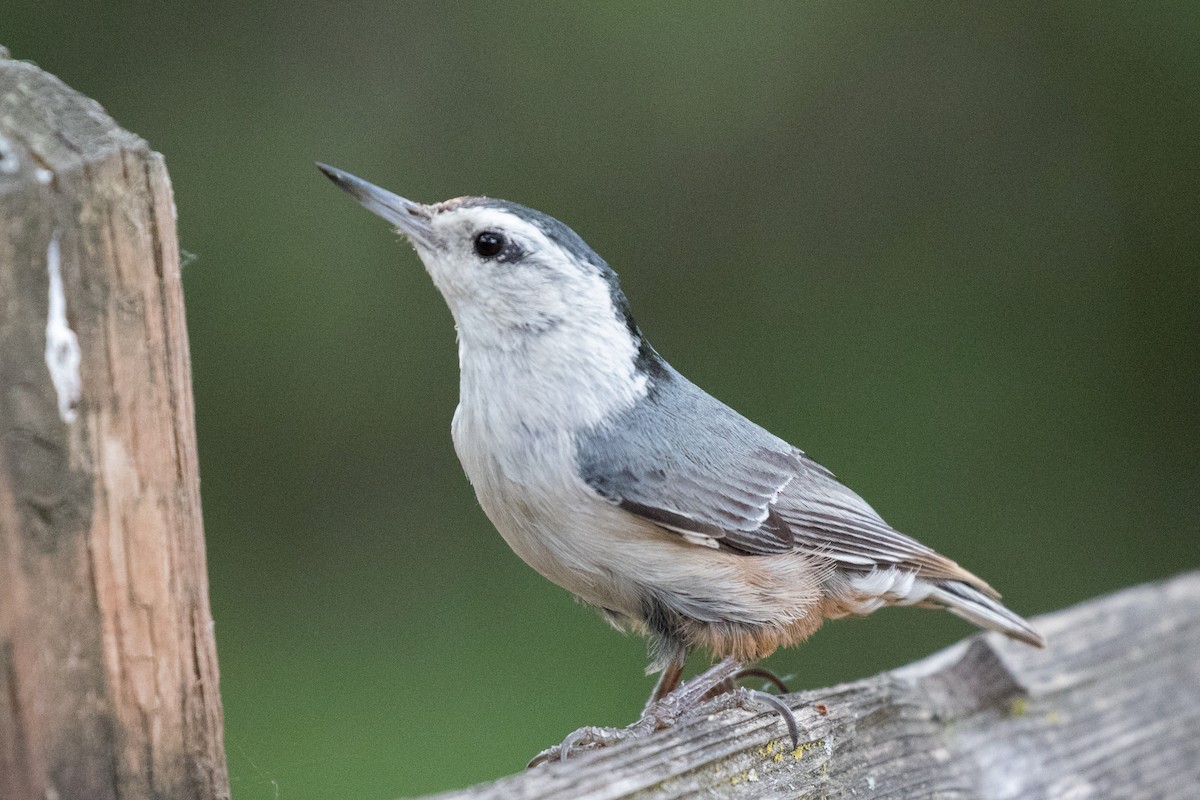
(691,464)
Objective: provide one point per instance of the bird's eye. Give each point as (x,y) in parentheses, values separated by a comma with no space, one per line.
(489,244)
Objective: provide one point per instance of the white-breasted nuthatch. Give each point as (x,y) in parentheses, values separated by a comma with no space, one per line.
(617,478)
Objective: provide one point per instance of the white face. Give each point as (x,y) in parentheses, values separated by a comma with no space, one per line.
(505,279)
(513,277)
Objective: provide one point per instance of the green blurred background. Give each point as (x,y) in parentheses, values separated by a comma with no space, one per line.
(950,251)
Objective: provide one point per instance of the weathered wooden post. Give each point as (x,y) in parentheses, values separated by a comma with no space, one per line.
(108,670)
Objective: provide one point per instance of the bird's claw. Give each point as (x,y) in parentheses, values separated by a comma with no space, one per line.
(751,697)
(730,684)
(589,737)
(753,700)
(760,672)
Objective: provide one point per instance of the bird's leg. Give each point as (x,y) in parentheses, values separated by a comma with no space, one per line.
(718,682)
(667,683)
(666,709)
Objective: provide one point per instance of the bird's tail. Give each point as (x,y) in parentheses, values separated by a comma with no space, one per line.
(974,606)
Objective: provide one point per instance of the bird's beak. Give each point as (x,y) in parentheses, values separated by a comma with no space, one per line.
(411,219)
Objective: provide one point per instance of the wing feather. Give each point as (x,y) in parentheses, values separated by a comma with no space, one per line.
(692,465)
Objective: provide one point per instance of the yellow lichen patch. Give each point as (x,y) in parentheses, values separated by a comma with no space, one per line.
(750,776)
(799,752)
(1018,707)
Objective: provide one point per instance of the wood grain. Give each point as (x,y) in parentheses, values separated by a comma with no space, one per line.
(108,672)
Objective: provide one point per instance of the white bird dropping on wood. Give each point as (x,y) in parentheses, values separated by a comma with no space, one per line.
(62,346)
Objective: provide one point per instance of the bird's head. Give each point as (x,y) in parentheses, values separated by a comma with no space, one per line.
(509,274)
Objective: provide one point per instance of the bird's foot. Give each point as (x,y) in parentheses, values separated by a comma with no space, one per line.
(589,737)
(711,690)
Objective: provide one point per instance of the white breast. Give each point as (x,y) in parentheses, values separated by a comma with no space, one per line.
(518,409)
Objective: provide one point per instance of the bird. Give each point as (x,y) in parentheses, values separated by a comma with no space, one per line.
(620,480)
